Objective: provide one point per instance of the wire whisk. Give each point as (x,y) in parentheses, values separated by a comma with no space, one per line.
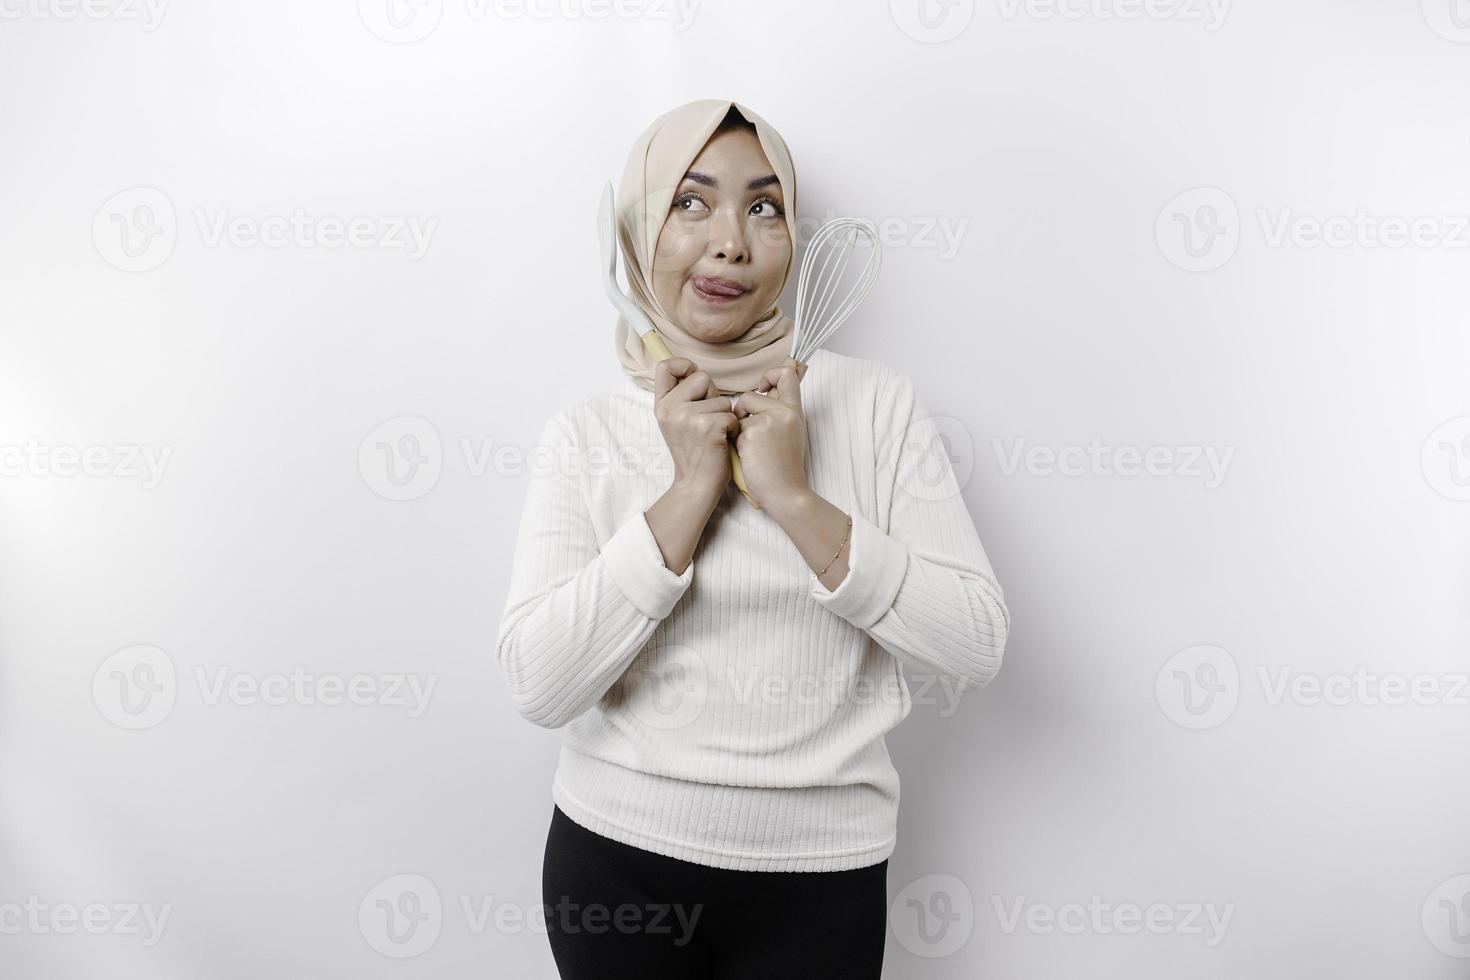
(825,297)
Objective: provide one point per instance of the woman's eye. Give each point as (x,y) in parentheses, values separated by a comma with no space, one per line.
(772,209)
(689,203)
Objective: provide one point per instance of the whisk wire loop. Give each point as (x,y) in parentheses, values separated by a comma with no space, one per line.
(823,301)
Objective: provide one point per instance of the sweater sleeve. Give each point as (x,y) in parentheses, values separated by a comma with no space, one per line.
(577,613)
(924,589)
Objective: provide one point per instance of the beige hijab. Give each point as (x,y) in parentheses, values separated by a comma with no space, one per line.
(654,169)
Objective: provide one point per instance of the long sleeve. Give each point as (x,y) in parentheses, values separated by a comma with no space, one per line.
(576,614)
(924,589)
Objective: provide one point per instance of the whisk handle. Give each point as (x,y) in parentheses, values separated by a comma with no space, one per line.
(660,351)
(737,473)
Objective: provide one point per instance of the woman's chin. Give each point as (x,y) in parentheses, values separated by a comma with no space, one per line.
(715,328)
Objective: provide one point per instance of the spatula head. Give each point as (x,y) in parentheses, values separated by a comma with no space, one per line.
(607,233)
(607,240)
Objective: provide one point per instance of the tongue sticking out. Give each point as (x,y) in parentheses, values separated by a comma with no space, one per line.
(716,288)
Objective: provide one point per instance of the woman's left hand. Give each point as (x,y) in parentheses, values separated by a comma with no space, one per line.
(772,439)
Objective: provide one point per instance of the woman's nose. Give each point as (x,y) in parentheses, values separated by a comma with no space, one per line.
(727,239)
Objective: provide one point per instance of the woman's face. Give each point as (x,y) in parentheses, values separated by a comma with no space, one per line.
(723,250)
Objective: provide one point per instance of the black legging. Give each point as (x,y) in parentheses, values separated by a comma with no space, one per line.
(613,911)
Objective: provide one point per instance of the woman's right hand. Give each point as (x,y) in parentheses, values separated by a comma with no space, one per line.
(696,421)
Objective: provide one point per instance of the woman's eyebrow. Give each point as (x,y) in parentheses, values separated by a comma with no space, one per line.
(754,185)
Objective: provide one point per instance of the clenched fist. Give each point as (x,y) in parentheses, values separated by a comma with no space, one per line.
(696,422)
(771,438)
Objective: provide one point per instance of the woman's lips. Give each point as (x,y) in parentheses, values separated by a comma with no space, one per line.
(715,290)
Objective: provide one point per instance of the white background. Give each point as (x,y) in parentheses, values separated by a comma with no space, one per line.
(1054,144)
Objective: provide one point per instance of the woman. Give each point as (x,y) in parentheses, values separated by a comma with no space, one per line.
(724,801)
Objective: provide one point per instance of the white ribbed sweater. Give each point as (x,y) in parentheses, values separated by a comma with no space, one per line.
(734,715)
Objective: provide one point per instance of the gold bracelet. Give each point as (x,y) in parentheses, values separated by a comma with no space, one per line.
(839,547)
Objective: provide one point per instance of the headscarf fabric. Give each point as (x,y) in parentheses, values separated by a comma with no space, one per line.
(655,167)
